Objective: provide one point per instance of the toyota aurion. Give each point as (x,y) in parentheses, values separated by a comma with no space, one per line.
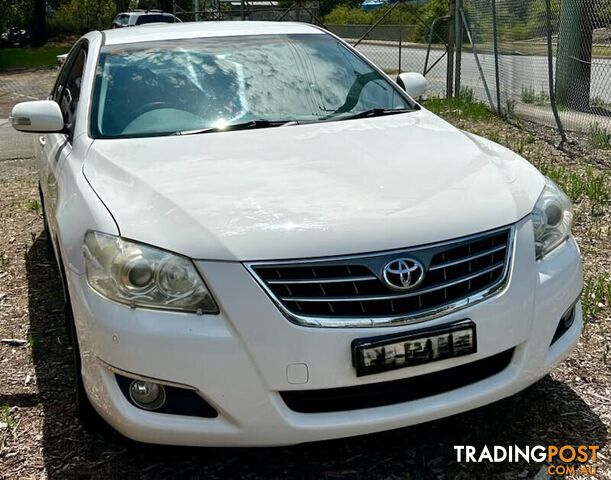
(265,240)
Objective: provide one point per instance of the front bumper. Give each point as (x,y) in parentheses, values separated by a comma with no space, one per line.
(242,358)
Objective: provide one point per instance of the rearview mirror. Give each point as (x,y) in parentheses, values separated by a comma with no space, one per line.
(40,116)
(413,83)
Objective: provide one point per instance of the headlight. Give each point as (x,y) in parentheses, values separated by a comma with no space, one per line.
(552,219)
(143,276)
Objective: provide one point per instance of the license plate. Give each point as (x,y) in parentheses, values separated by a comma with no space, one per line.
(389,352)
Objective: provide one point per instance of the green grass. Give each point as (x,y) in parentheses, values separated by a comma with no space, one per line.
(580,183)
(30,57)
(463,107)
(5,415)
(596,295)
(599,137)
(34,206)
(34,341)
(599,102)
(529,95)
(510,107)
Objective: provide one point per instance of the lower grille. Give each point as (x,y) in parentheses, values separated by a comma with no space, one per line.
(351,291)
(396,391)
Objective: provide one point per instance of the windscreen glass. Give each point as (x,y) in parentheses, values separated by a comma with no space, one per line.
(165,87)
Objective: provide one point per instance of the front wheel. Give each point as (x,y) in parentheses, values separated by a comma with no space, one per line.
(45,222)
(86,414)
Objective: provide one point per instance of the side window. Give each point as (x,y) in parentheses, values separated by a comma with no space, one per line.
(68,88)
(63,71)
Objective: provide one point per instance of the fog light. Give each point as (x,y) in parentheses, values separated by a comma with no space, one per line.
(566,321)
(569,318)
(147,395)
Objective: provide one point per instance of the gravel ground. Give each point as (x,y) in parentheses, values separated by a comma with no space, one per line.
(40,438)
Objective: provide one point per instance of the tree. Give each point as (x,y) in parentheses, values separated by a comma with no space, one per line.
(15,13)
(39,23)
(573,69)
(122,5)
(81,16)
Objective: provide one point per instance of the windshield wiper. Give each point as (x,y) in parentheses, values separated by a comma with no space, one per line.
(373,112)
(260,123)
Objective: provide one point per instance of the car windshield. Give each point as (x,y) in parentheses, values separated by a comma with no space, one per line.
(142,19)
(169,87)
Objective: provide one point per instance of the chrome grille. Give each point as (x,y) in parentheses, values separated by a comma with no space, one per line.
(348,291)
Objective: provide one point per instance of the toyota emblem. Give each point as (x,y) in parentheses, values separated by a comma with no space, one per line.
(403,273)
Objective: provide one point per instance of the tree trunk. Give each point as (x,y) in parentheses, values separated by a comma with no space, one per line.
(122,5)
(574,54)
(39,23)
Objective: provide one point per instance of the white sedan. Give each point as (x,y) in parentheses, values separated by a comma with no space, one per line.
(264,240)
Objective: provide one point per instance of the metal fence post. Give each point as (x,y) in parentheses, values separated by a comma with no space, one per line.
(450,62)
(550,71)
(458,44)
(400,46)
(496,59)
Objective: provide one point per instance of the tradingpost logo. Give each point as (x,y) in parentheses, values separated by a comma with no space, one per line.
(561,459)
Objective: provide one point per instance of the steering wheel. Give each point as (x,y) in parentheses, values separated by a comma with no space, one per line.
(152,106)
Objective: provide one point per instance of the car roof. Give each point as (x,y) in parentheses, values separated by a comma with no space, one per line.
(176,31)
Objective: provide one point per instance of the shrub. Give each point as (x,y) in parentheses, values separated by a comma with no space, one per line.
(529,95)
(81,16)
(15,13)
(344,15)
(419,16)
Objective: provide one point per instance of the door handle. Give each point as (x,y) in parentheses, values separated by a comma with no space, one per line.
(42,140)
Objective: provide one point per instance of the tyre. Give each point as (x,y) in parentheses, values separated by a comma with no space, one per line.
(86,414)
(45,222)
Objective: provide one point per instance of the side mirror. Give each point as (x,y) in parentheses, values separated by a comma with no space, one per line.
(413,83)
(40,116)
(61,59)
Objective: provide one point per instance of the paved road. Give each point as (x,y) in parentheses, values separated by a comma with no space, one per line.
(516,71)
(16,154)
(23,85)
(16,149)
(13,145)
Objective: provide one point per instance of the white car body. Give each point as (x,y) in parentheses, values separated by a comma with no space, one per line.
(314,192)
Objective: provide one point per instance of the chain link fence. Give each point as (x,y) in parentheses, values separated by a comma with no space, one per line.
(548,61)
(552,63)
(389,47)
